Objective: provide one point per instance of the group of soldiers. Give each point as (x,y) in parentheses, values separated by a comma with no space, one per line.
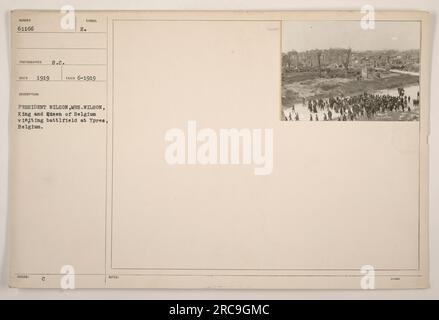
(360,107)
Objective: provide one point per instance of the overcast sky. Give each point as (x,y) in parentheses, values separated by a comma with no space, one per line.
(302,36)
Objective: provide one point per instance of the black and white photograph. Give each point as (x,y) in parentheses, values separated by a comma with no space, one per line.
(219,159)
(341,71)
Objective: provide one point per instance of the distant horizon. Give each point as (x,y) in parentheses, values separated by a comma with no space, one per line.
(387,35)
(356,51)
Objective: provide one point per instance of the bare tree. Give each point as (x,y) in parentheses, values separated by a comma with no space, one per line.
(348,59)
(319,57)
(285,61)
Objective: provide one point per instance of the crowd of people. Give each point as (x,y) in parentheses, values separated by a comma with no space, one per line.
(360,107)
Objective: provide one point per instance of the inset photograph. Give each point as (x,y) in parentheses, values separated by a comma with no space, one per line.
(338,71)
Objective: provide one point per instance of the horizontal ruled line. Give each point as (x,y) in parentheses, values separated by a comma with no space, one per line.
(60,81)
(64,48)
(57,65)
(72,32)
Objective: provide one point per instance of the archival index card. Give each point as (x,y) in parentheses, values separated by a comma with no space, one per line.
(219,149)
